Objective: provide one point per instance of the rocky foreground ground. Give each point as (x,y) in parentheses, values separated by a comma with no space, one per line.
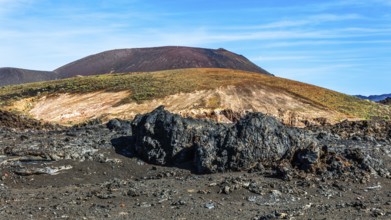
(163,166)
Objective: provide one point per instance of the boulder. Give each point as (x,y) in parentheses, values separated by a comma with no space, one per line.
(163,138)
(119,125)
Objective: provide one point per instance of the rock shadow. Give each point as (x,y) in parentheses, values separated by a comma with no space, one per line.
(122,146)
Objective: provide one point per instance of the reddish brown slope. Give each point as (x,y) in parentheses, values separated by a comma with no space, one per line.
(155,59)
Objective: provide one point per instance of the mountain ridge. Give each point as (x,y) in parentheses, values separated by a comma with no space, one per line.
(13,76)
(375,98)
(386,101)
(135,60)
(156,59)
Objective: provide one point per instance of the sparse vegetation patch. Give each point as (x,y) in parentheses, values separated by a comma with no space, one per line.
(152,85)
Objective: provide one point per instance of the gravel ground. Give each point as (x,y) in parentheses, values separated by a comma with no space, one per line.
(80,173)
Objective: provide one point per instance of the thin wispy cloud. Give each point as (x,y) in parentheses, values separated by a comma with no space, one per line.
(310,20)
(7,6)
(280,58)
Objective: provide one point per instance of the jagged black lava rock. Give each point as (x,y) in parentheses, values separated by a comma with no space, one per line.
(307,158)
(163,138)
(373,130)
(123,126)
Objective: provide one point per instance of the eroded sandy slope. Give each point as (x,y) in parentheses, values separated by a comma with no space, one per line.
(75,108)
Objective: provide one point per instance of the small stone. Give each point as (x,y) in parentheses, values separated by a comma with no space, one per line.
(145,205)
(226,189)
(133,193)
(210,205)
(275,193)
(180,202)
(252,198)
(103,196)
(378,186)
(282,215)
(377,212)
(203,191)
(114,124)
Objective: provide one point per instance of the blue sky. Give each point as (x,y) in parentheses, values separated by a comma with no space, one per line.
(344,45)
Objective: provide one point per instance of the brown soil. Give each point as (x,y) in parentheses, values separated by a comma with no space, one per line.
(12,120)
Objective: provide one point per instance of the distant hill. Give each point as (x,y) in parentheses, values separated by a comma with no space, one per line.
(12,76)
(386,101)
(375,98)
(156,59)
(135,60)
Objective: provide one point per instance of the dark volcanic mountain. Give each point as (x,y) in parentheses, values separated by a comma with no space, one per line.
(155,59)
(11,76)
(135,60)
(375,98)
(386,101)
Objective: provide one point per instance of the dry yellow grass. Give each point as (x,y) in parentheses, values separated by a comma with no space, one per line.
(156,85)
